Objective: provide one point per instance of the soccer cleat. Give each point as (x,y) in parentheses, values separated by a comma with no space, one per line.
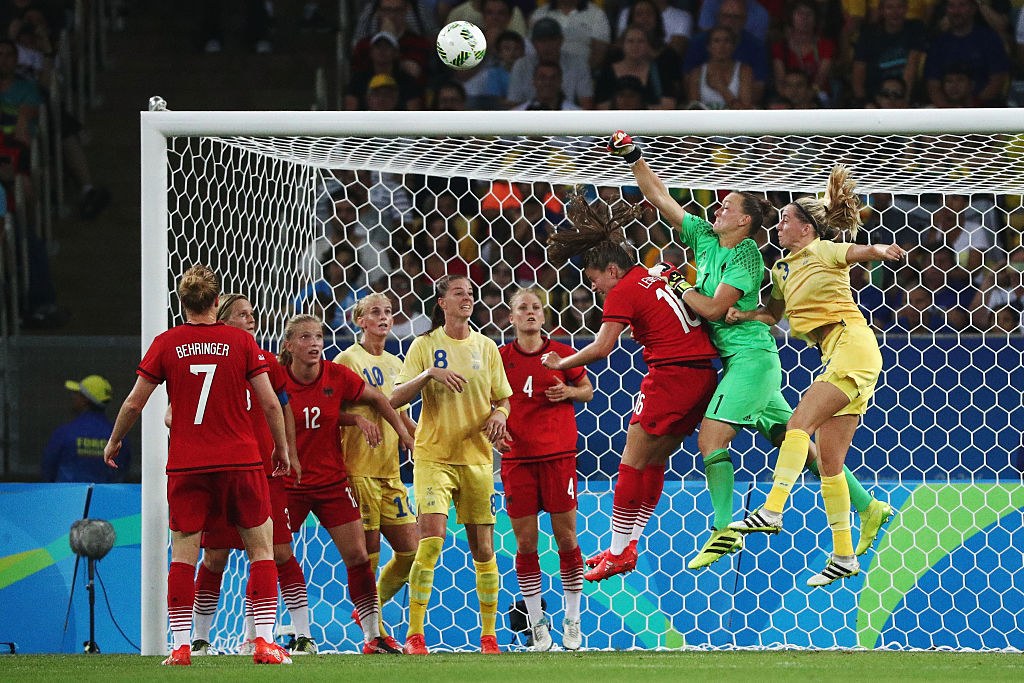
(269,653)
(835,570)
(379,646)
(593,561)
(718,546)
(392,643)
(303,645)
(200,648)
(610,565)
(414,645)
(355,618)
(181,656)
(572,637)
(760,520)
(489,645)
(541,633)
(247,648)
(872,520)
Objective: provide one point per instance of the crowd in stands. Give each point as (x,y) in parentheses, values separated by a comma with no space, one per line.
(705,54)
(32,33)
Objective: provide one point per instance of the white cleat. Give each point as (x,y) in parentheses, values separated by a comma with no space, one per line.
(572,638)
(541,633)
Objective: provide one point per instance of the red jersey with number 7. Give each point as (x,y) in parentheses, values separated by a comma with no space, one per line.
(668,330)
(207,368)
(316,407)
(540,429)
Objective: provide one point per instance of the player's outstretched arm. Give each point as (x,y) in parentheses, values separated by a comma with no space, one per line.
(653,189)
(603,344)
(127,416)
(863,253)
(271,406)
(382,405)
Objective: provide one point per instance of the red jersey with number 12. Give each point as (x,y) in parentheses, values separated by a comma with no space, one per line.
(540,429)
(667,329)
(207,368)
(316,407)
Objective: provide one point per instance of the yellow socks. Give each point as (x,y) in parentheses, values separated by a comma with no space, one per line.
(792,457)
(487,591)
(421,580)
(836,494)
(395,574)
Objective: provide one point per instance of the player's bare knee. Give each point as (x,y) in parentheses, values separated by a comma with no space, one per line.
(215,559)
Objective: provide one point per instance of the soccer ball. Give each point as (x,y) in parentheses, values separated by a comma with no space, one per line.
(461,45)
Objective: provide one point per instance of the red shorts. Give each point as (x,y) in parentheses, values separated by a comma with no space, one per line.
(673,399)
(196,501)
(532,486)
(220,534)
(333,505)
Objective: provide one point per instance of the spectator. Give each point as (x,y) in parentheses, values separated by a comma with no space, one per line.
(582,315)
(970,44)
(637,61)
(546,37)
(478,11)
(917,314)
(372,250)
(384,61)
(488,88)
(414,49)
(722,82)
(795,91)
(20,98)
(490,315)
(755,20)
(750,50)
(450,96)
(256,29)
(336,292)
(950,286)
(584,26)
(629,94)
(74,452)
(662,20)
(998,289)
(408,314)
(547,90)
(382,94)
(872,300)
(957,88)
(891,47)
(892,93)
(377,15)
(961,227)
(805,48)
(1008,321)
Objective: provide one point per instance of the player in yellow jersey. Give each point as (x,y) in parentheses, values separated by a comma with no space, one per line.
(459,375)
(373,470)
(811,287)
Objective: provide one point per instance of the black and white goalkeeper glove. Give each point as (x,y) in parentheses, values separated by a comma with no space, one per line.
(621,145)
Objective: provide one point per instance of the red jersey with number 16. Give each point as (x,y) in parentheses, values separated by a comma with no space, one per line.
(207,368)
(316,407)
(668,330)
(278,380)
(540,429)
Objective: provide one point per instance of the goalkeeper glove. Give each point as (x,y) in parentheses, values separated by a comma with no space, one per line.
(673,277)
(621,145)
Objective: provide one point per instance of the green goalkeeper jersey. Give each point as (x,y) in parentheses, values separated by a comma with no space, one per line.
(741,267)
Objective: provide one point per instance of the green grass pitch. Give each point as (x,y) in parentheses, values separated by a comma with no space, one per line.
(563,667)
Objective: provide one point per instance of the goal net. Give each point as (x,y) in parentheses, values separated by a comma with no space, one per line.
(305,211)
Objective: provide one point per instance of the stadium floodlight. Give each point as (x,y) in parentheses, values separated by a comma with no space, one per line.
(253,194)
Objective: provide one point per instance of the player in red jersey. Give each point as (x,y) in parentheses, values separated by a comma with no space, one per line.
(317,390)
(539,469)
(236,311)
(680,377)
(214,468)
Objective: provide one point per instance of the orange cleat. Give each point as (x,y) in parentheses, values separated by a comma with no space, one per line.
(269,653)
(181,656)
(610,565)
(380,646)
(489,645)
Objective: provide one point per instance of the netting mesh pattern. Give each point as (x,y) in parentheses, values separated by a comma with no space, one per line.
(308,224)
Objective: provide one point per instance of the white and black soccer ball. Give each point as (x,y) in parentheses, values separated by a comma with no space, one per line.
(461,45)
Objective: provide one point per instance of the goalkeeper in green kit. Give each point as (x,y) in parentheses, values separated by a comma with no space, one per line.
(730,270)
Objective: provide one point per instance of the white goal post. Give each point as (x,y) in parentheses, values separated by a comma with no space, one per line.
(241,190)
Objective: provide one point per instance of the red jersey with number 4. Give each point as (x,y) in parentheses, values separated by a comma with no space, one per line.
(540,429)
(666,328)
(207,368)
(265,439)
(316,407)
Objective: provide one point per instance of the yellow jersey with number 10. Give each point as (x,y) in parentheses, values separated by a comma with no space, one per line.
(815,284)
(380,373)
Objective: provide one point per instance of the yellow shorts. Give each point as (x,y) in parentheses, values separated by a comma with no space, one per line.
(436,485)
(382,502)
(851,362)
